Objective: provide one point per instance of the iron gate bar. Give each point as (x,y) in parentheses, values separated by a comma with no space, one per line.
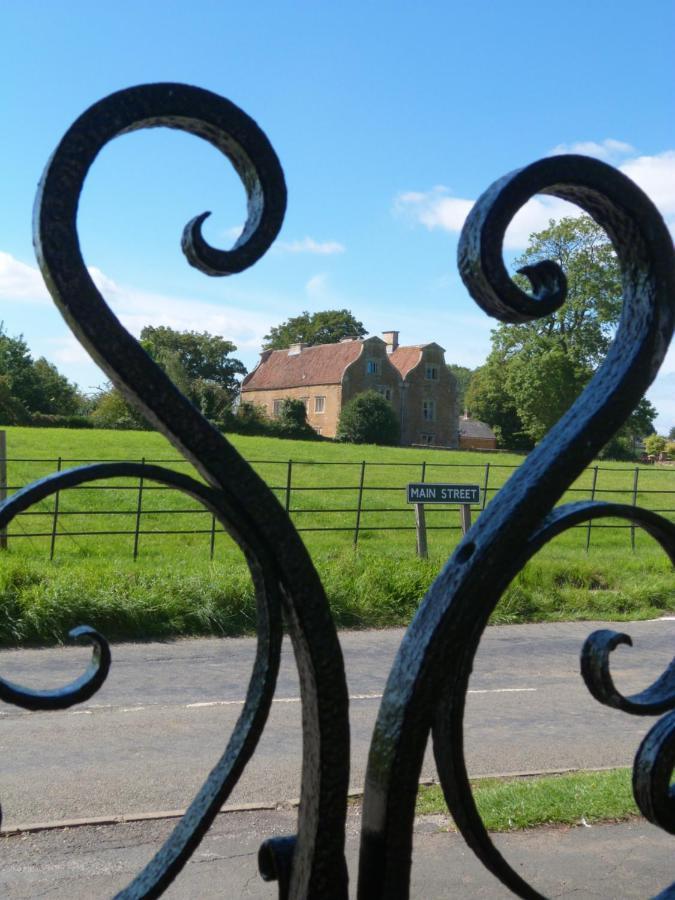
(427,686)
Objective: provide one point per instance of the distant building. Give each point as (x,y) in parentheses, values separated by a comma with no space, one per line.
(475,435)
(415,380)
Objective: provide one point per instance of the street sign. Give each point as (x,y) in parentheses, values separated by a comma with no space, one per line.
(444,493)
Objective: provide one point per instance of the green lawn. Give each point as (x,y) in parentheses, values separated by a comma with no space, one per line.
(175,588)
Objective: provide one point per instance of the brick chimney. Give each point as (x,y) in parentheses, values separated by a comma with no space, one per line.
(391,340)
(296,349)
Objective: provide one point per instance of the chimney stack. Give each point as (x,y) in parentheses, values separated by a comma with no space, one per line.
(391,340)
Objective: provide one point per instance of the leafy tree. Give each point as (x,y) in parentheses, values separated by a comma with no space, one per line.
(198,363)
(327,327)
(57,396)
(489,401)
(536,369)
(655,444)
(36,386)
(462,376)
(368,419)
(671,433)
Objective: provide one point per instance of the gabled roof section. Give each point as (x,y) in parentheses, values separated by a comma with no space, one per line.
(405,359)
(322,364)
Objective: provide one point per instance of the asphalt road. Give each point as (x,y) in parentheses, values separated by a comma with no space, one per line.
(146,741)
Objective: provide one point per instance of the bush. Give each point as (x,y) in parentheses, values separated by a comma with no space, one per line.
(619,449)
(251,419)
(45,420)
(368,419)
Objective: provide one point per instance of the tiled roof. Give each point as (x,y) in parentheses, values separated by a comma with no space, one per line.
(323,364)
(405,358)
(475,429)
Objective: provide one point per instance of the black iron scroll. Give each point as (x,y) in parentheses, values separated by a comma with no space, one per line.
(284,577)
(428,683)
(427,687)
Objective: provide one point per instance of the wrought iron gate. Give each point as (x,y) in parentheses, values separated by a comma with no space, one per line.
(427,686)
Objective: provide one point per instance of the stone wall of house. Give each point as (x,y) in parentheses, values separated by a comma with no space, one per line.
(429,404)
(329,397)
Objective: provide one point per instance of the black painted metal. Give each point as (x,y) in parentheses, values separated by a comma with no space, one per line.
(427,686)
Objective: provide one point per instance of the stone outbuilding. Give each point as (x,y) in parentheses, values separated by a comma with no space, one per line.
(475,435)
(415,380)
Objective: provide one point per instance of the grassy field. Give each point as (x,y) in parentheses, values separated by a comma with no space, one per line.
(94,579)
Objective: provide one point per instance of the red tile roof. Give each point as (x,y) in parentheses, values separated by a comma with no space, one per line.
(405,358)
(323,364)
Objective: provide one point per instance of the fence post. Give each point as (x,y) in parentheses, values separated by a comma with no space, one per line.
(3,482)
(636,475)
(213,535)
(138,510)
(289,474)
(485,485)
(358,505)
(590,521)
(55,517)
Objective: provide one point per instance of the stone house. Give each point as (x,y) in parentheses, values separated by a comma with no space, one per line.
(415,380)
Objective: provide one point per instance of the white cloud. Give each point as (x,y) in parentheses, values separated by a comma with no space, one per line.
(20,282)
(656,176)
(309,245)
(316,286)
(437,209)
(608,150)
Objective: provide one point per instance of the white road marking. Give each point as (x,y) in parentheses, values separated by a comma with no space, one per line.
(205,704)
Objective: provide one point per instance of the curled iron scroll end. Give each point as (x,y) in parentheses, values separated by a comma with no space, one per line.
(77,691)
(595,665)
(210,260)
(653,772)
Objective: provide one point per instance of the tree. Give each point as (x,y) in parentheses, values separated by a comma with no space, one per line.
(327,327)
(535,370)
(198,363)
(57,396)
(671,433)
(462,376)
(36,386)
(111,410)
(655,444)
(368,419)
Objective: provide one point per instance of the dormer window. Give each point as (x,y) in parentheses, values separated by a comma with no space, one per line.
(431,372)
(373,367)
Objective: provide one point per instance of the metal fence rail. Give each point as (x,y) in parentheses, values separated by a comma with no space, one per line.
(357,497)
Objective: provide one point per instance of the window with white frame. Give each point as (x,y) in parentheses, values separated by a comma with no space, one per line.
(319,404)
(431,372)
(305,402)
(373,367)
(276,408)
(429,410)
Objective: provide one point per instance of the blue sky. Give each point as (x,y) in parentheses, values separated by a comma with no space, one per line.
(389,119)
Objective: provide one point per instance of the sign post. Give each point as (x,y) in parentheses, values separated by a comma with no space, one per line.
(463,495)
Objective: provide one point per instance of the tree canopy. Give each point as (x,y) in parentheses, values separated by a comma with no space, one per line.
(327,327)
(535,370)
(198,363)
(32,386)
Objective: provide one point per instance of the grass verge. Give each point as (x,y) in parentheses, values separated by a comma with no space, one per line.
(41,601)
(571,799)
